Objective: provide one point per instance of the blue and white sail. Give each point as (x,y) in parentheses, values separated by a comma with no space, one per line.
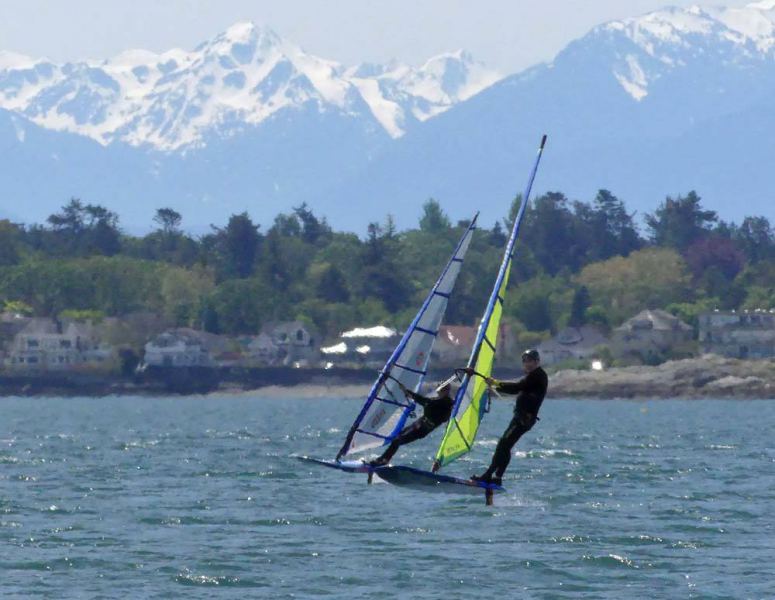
(386,409)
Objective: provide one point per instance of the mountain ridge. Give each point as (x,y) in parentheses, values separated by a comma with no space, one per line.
(172,100)
(650,106)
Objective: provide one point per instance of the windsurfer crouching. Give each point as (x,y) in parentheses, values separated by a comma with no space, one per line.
(436,411)
(530,392)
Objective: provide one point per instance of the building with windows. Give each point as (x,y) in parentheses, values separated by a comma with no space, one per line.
(650,334)
(47,345)
(745,334)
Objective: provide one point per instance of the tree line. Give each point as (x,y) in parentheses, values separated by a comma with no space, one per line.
(577,262)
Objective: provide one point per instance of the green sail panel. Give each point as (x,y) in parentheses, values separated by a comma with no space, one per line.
(472,402)
(472,399)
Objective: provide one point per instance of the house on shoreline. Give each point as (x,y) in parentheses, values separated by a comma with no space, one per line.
(181,347)
(283,343)
(650,334)
(572,343)
(44,344)
(746,334)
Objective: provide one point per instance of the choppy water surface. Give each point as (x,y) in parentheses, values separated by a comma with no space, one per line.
(201,497)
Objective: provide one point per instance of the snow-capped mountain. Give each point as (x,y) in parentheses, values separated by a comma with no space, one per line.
(660,104)
(400,95)
(239,79)
(675,40)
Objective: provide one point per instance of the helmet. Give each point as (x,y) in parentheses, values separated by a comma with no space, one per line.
(531,354)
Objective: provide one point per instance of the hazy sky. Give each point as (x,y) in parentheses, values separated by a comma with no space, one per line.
(506,34)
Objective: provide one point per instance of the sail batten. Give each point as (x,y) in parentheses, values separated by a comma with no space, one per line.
(472,398)
(380,420)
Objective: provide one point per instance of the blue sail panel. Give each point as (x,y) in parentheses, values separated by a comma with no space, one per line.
(385,411)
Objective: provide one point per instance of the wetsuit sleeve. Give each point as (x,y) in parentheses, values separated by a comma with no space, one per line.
(419,398)
(511,387)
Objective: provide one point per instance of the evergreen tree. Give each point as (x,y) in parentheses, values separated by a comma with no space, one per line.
(497,238)
(433,219)
(239,242)
(581,302)
(332,286)
(550,232)
(680,221)
(169,220)
(614,229)
(756,238)
(9,243)
(312,229)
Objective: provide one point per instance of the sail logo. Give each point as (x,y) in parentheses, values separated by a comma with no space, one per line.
(420,359)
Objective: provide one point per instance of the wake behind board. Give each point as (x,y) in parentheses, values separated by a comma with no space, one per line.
(348,466)
(426,481)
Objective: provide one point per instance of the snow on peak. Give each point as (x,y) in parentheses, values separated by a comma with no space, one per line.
(245,41)
(242,76)
(12,60)
(751,23)
(670,37)
(764,5)
(399,94)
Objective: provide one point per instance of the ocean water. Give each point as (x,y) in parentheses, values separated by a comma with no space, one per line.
(203,498)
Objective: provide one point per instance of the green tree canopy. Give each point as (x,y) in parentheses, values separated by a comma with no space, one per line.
(433,219)
(680,221)
(649,278)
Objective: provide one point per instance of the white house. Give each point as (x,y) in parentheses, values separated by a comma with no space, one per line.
(46,345)
(178,348)
(292,342)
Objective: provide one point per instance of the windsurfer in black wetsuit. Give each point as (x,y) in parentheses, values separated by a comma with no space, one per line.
(436,411)
(530,392)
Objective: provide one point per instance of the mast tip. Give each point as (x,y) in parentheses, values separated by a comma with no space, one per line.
(543,141)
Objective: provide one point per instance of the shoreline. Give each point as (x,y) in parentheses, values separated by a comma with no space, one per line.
(709,376)
(706,377)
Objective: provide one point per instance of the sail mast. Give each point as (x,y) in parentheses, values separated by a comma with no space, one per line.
(470,400)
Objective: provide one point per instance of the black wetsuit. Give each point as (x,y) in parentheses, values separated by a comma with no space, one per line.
(435,412)
(530,391)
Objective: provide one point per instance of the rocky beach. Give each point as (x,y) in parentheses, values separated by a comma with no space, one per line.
(709,376)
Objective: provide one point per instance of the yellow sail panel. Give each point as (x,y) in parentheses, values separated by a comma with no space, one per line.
(470,401)
(464,425)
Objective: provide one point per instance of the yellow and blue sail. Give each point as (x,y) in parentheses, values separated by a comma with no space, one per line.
(386,409)
(472,398)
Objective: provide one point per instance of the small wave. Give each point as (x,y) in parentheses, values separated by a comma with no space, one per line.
(549,453)
(516,501)
(720,447)
(571,539)
(611,560)
(137,444)
(186,578)
(488,443)
(689,545)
